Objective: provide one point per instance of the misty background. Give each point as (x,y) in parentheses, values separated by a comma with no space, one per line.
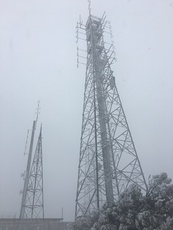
(38,62)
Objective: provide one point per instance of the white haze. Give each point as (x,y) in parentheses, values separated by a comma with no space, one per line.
(38,62)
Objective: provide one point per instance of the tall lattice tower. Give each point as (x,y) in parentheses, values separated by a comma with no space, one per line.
(108,161)
(32,205)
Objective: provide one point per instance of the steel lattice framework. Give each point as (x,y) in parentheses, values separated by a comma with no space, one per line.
(108,161)
(33,204)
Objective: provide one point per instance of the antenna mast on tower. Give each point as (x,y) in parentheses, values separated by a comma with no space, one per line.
(108,161)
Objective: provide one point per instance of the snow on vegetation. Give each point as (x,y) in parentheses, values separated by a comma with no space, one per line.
(135,210)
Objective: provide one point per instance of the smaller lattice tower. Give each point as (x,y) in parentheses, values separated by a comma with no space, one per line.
(32,206)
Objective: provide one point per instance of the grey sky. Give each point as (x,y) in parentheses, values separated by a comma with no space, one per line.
(38,62)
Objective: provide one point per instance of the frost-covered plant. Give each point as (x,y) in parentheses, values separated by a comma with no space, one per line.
(135,210)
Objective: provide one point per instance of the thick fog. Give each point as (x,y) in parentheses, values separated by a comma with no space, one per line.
(38,62)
